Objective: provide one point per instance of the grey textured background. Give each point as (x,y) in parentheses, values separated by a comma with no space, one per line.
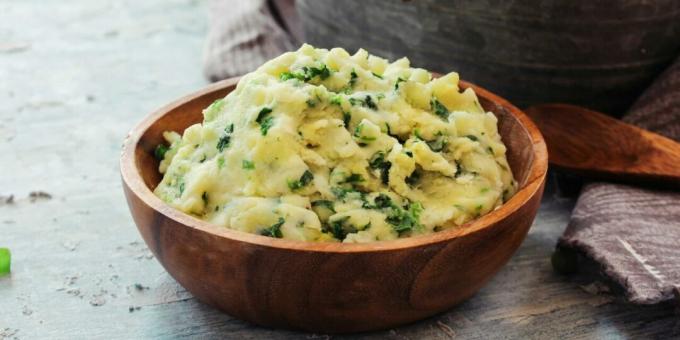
(74,77)
(597,54)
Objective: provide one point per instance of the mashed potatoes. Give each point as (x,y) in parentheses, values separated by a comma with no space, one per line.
(320,145)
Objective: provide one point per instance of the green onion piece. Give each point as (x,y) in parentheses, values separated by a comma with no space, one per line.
(396,84)
(266,125)
(248,165)
(439,108)
(346,118)
(274,230)
(160,151)
(353,78)
(5,261)
(305,179)
(224,140)
(370,103)
(262,114)
(354,178)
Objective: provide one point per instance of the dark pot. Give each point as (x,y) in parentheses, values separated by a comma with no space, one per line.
(599,54)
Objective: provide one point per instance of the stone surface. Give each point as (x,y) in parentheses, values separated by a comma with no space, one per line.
(74,77)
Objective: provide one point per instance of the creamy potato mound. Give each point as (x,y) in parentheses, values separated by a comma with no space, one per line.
(321,145)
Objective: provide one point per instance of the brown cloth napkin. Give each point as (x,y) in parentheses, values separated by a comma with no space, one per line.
(634,233)
(243,35)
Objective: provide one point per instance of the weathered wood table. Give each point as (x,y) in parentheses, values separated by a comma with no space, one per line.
(74,77)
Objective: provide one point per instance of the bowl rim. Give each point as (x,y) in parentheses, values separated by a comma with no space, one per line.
(132,178)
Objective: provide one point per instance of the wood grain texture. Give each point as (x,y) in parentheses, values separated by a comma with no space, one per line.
(83,246)
(593,145)
(329,287)
(597,54)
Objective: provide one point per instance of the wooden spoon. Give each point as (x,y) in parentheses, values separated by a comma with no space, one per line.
(591,144)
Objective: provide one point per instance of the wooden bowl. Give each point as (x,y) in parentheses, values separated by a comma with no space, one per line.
(329,287)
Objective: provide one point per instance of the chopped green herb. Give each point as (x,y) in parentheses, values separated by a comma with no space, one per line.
(378,162)
(409,153)
(413,178)
(370,103)
(338,228)
(265,120)
(439,143)
(490,150)
(263,113)
(396,84)
(459,169)
(472,138)
(324,203)
(311,102)
(346,118)
(204,197)
(336,100)
(322,72)
(248,165)
(367,102)
(160,151)
(220,162)
(274,230)
(5,261)
(306,177)
(439,108)
(377,75)
(292,75)
(307,73)
(354,178)
(380,202)
(266,125)
(404,219)
(361,137)
(483,190)
(383,201)
(224,140)
(182,186)
(353,78)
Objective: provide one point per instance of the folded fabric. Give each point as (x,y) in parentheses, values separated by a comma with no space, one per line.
(242,35)
(634,233)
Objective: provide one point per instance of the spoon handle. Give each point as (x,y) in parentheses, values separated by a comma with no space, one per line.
(591,144)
